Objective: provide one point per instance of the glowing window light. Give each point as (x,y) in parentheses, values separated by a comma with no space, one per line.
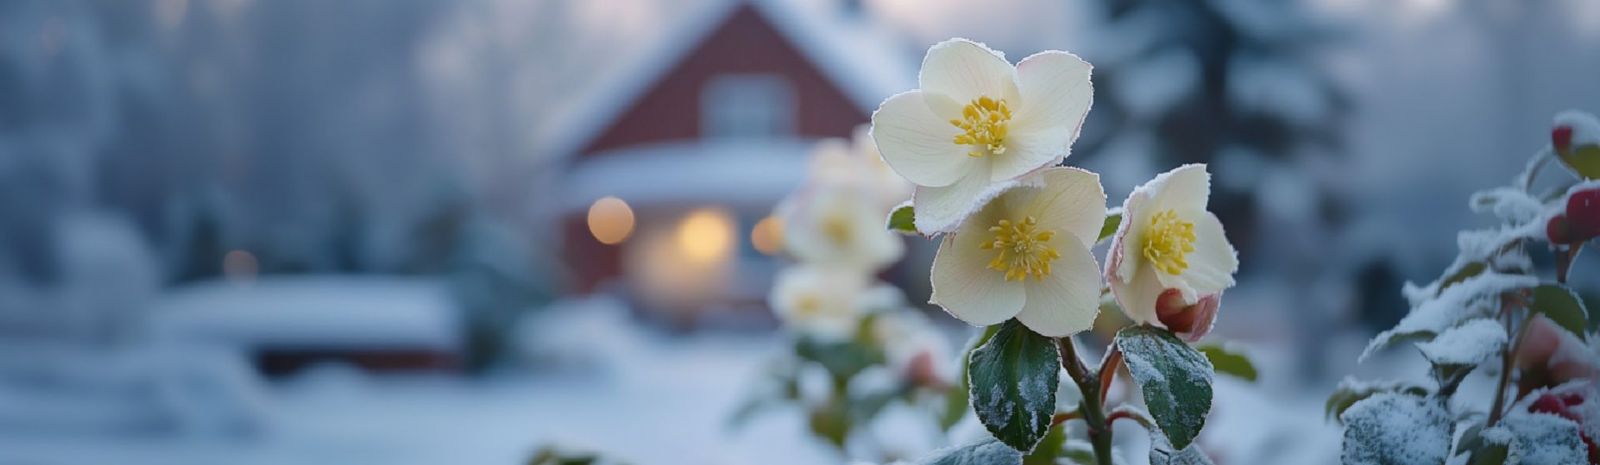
(706,235)
(767,235)
(610,220)
(240,266)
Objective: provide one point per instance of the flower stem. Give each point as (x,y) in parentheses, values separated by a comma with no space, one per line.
(1091,407)
(1506,366)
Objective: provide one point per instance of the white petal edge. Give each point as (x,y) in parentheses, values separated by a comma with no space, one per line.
(1213,262)
(963,70)
(943,209)
(1068,300)
(917,143)
(1137,296)
(1186,187)
(1057,91)
(1071,200)
(966,288)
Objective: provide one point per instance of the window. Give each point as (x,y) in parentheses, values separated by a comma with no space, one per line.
(747,106)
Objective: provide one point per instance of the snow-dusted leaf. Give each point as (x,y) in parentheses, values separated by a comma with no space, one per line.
(1466,345)
(1562,307)
(1396,429)
(1014,378)
(1539,439)
(1113,220)
(903,219)
(1162,453)
(1467,270)
(1175,380)
(1475,297)
(983,452)
(1351,390)
(1229,362)
(1508,203)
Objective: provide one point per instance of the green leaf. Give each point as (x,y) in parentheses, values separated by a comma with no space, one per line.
(842,359)
(1175,379)
(1467,271)
(1162,453)
(1229,362)
(1109,227)
(1351,391)
(903,219)
(1014,378)
(984,452)
(1561,306)
(957,402)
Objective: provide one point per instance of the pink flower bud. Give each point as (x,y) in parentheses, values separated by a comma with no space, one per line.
(1551,355)
(1189,321)
(921,371)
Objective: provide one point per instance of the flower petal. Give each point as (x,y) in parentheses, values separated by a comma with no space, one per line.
(942,209)
(1056,92)
(1056,95)
(1213,262)
(1186,187)
(1067,300)
(963,70)
(964,285)
(1071,201)
(1137,296)
(917,143)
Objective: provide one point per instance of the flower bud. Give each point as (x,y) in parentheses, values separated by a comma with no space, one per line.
(1551,355)
(922,371)
(1189,321)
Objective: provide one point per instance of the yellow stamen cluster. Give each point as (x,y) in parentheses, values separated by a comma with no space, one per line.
(837,228)
(1167,240)
(984,124)
(1023,251)
(808,305)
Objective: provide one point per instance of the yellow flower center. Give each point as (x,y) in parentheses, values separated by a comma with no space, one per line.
(837,229)
(1167,241)
(807,305)
(983,123)
(1023,250)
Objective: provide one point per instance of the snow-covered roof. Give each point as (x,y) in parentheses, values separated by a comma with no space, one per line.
(328,312)
(689,172)
(865,62)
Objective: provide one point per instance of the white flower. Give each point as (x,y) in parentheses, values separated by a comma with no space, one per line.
(1168,241)
(829,224)
(977,124)
(818,302)
(856,162)
(1025,254)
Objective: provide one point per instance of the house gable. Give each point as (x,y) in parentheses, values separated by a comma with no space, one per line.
(743,43)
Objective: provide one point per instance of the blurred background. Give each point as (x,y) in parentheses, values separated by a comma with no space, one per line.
(430,231)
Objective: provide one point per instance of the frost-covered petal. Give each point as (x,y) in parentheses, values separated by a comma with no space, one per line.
(942,209)
(1137,296)
(963,70)
(1071,201)
(917,143)
(964,285)
(1186,187)
(1067,300)
(1211,264)
(1056,95)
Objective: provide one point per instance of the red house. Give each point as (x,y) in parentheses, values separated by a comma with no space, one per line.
(700,137)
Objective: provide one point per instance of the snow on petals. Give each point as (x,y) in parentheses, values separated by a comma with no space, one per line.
(1025,255)
(977,123)
(1168,241)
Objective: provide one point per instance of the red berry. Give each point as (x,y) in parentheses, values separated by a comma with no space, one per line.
(1556,230)
(1561,137)
(1583,214)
